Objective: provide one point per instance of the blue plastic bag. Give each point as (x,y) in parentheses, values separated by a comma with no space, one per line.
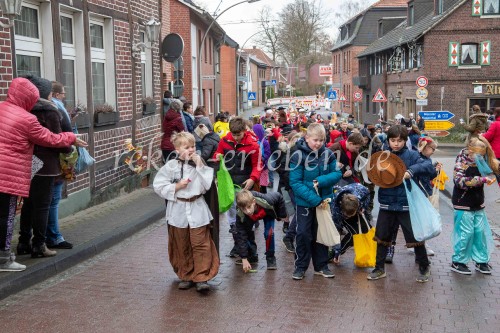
(425,219)
(84,160)
(483,166)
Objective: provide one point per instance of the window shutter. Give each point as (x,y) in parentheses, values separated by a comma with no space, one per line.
(477,7)
(453,54)
(485,53)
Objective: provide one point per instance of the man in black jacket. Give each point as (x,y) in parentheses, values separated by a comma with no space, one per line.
(253,206)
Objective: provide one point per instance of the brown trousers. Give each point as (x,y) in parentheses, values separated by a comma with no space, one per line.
(192,253)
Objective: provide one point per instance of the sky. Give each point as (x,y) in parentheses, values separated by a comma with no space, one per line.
(231,20)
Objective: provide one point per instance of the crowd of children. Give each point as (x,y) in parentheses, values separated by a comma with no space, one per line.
(288,162)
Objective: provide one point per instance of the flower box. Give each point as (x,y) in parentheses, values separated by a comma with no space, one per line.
(148,108)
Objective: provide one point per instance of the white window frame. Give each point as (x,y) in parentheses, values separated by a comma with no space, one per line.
(146,59)
(105,55)
(194,65)
(41,47)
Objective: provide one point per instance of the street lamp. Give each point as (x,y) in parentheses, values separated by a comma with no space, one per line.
(10,9)
(152,34)
(200,86)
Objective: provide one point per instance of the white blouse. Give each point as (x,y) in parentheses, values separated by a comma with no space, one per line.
(183,214)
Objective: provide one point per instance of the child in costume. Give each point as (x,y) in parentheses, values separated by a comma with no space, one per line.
(472,234)
(182,182)
(478,122)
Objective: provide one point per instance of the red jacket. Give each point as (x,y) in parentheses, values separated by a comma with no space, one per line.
(240,166)
(493,136)
(19,131)
(171,123)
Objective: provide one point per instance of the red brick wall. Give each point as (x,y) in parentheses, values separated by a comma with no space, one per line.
(227,77)
(165,30)
(5,62)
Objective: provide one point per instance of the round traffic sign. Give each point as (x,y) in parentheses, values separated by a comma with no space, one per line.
(422,93)
(422,81)
(357,96)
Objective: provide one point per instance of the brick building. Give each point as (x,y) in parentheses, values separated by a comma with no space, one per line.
(355,35)
(454,43)
(228,59)
(89,47)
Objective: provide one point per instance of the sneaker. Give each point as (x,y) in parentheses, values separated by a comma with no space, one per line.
(185,285)
(11,265)
(271,263)
(430,252)
(251,260)
(390,255)
(288,245)
(460,268)
(298,274)
(326,272)
(61,245)
(234,253)
(483,268)
(376,274)
(424,275)
(202,287)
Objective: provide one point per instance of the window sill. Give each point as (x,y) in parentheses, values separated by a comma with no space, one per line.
(415,69)
(469,67)
(407,70)
(496,16)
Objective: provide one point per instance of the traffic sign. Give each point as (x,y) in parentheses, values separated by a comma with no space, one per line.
(379,97)
(422,81)
(252,95)
(358,95)
(342,98)
(436,115)
(422,93)
(274,82)
(438,133)
(325,70)
(421,102)
(438,125)
(332,94)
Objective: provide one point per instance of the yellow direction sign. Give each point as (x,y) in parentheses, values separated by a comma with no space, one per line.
(438,125)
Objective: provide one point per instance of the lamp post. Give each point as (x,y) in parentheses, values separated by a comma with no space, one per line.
(152,34)
(238,72)
(202,43)
(11,9)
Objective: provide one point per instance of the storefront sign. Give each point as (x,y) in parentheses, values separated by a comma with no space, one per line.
(492,89)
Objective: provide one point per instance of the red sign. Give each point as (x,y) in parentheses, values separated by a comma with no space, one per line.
(379,97)
(422,81)
(342,98)
(325,70)
(358,95)
(438,133)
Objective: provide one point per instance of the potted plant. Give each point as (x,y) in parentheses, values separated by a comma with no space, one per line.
(104,114)
(79,115)
(148,105)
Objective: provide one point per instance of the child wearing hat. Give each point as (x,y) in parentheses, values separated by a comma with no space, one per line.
(387,170)
(472,234)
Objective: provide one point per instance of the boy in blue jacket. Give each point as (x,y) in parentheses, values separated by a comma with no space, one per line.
(394,210)
(311,165)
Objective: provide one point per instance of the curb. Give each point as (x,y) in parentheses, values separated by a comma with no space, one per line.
(17,282)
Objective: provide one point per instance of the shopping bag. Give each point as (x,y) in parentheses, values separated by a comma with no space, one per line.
(327,232)
(434,197)
(225,188)
(365,248)
(84,160)
(425,219)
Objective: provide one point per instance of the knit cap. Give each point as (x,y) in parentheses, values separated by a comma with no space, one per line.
(44,86)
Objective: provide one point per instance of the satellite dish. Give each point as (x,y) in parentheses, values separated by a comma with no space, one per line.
(172,47)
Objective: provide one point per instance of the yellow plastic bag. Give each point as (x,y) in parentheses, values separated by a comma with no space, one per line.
(441,179)
(365,248)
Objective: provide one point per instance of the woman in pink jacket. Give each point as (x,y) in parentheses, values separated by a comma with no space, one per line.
(493,137)
(19,131)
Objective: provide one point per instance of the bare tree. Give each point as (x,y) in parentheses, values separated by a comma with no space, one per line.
(268,39)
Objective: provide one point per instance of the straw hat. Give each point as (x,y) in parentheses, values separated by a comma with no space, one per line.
(387,170)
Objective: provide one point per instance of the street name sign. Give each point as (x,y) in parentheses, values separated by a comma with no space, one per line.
(208,77)
(242,78)
(252,95)
(421,102)
(436,115)
(438,125)
(438,133)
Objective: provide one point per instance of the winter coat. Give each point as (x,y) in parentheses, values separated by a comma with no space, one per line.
(421,124)
(478,123)
(171,123)
(49,117)
(493,136)
(265,149)
(65,120)
(242,159)
(209,145)
(19,131)
(468,190)
(189,120)
(363,195)
(307,166)
(198,120)
(340,150)
(166,105)
(424,180)
(394,198)
(282,164)
(274,207)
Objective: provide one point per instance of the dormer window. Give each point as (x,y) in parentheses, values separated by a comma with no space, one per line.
(411,14)
(438,7)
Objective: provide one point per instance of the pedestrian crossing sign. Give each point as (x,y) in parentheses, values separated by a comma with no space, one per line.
(332,94)
(252,96)
(379,97)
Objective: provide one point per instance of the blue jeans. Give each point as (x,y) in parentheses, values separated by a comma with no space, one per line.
(269,236)
(53,236)
(306,246)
